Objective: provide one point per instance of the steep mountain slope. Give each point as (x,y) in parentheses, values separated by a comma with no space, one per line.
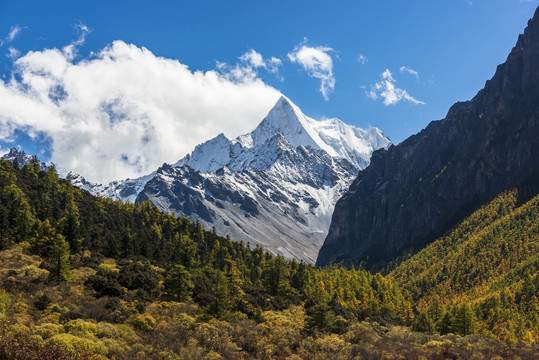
(500,235)
(490,261)
(416,191)
(275,187)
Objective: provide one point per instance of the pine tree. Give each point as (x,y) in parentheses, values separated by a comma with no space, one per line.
(445,324)
(60,260)
(321,317)
(234,282)
(463,323)
(178,283)
(276,276)
(53,246)
(70,223)
(423,323)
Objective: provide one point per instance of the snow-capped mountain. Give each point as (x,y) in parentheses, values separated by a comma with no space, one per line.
(124,190)
(275,187)
(333,136)
(22,158)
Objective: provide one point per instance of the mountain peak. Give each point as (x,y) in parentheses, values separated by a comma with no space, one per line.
(287,119)
(22,158)
(283,101)
(284,115)
(15,152)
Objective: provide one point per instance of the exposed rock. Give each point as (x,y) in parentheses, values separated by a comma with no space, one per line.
(414,192)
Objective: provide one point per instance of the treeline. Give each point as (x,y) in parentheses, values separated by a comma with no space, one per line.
(61,224)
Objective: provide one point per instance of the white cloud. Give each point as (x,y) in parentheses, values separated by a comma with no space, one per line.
(389,92)
(318,64)
(362,59)
(123,111)
(14,31)
(409,71)
(82,31)
(273,64)
(253,58)
(13,53)
(247,67)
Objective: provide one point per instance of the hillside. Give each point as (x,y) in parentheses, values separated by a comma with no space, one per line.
(490,261)
(72,259)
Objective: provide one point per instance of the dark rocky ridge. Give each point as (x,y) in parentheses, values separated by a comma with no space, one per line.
(414,192)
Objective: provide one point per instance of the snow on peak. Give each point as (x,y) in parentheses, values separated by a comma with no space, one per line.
(22,158)
(285,119)
(352,143)
(122,190)
(210,155)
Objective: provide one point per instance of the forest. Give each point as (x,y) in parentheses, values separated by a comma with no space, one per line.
(91,278)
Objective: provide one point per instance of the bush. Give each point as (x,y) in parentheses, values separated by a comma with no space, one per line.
(80,326)
(144,322)
(47,330)
(104,286)
(22,346)
(20,308)
(82,274)
(109,266)
(106,330)
(74,343)
(32,272)
(362,333)
(42,302)
(5,301)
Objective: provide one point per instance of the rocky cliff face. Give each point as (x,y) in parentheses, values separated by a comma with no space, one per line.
(417,190)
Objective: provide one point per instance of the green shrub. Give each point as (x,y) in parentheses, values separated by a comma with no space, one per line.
(71,342)
(80,326)
(5,301)
(32,272)
(144,322)
(20,308)
(20,345)
(47,330)
(109,266)
(107,330)
(185,320)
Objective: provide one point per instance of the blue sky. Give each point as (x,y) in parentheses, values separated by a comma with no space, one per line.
(425,54)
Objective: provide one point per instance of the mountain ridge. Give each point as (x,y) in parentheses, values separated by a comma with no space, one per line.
(286,118)
(274,187)
(22,158)
(415,191)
